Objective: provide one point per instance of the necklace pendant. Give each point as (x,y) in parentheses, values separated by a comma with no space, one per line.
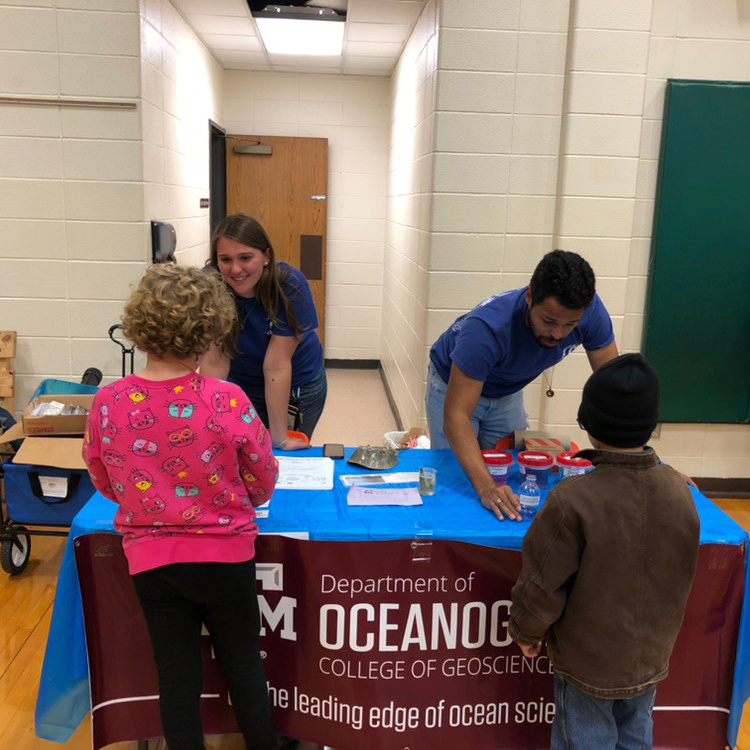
(550,393)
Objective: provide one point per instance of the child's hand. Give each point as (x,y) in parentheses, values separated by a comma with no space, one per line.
(531,651)
(292,444)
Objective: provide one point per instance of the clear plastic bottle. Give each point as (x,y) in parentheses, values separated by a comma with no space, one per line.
(530,496)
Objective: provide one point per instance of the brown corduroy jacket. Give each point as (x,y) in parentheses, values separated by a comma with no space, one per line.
(607,568)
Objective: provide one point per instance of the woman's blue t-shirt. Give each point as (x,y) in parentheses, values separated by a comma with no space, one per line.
(493,343)
(246,369)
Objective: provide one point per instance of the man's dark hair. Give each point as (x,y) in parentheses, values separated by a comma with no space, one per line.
(565,276)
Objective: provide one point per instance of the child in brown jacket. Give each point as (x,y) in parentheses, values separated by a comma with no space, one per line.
(608,564)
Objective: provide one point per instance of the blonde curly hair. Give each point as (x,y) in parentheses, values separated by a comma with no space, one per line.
(178,312)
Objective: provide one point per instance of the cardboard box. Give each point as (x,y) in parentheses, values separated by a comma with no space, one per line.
(546,442)
(57,425)
(60,452)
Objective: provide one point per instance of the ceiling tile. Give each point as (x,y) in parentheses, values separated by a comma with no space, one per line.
(214,7)
(384,11)
(377,32)
(237,56)
(371,63)
(222,25)
(225,42)
(374,49)
(306,68)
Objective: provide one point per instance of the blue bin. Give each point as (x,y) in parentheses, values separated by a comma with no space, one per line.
(62,387)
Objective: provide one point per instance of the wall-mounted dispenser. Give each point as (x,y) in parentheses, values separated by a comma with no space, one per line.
(163,242)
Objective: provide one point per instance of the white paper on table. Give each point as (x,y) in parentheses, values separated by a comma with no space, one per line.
(261,511)
(399,477)
(305,473)
(371,496)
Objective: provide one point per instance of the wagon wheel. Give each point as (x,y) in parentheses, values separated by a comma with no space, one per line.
(16,551)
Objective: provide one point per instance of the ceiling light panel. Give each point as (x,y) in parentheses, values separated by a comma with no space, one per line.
(295,36)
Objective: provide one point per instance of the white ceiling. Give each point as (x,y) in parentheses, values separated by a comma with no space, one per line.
(375,35)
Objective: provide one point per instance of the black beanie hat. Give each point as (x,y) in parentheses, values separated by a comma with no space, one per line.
(620,404)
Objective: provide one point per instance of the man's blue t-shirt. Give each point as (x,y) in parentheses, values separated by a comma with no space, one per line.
(493,343)
(246,369)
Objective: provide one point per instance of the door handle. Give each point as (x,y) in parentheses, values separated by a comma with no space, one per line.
(317,197)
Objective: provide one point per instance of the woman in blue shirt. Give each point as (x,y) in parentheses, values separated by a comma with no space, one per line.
(276,356)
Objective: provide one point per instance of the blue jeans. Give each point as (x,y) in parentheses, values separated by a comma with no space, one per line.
(311,396)
(583,722)
(493,419)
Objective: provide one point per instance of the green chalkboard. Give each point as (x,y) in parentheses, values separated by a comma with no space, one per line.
(697,328)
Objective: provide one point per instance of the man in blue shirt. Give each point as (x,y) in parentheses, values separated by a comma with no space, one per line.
(480,365)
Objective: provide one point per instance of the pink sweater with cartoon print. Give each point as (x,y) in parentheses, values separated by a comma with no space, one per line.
(187,460)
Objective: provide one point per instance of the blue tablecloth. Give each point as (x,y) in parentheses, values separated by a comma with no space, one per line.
(453,513)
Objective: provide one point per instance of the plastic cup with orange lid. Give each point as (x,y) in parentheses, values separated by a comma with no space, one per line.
(498,463)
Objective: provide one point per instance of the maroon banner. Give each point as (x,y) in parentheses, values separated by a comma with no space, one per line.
(389,645)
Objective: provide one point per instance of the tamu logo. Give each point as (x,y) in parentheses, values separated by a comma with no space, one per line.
(270,576)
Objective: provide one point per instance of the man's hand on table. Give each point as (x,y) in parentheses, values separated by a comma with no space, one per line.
(531,651)
(502,501)
(688,480)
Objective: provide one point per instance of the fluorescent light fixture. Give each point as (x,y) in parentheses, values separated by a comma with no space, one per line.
(301,31)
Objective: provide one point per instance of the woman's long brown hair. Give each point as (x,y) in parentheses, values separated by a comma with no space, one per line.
(269,289)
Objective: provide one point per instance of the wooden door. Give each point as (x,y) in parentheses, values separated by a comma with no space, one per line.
(286,191)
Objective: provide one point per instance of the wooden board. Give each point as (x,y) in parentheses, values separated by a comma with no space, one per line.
(7,344)
(7,383)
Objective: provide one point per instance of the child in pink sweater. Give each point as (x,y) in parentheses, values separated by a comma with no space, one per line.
(187,460)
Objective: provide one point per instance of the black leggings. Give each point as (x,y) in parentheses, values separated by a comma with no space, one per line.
(177,600)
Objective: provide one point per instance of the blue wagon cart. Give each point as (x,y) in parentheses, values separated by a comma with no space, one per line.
(40,496)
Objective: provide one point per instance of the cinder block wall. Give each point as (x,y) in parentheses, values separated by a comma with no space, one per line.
(72,231)
(352,113)
(543,131)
